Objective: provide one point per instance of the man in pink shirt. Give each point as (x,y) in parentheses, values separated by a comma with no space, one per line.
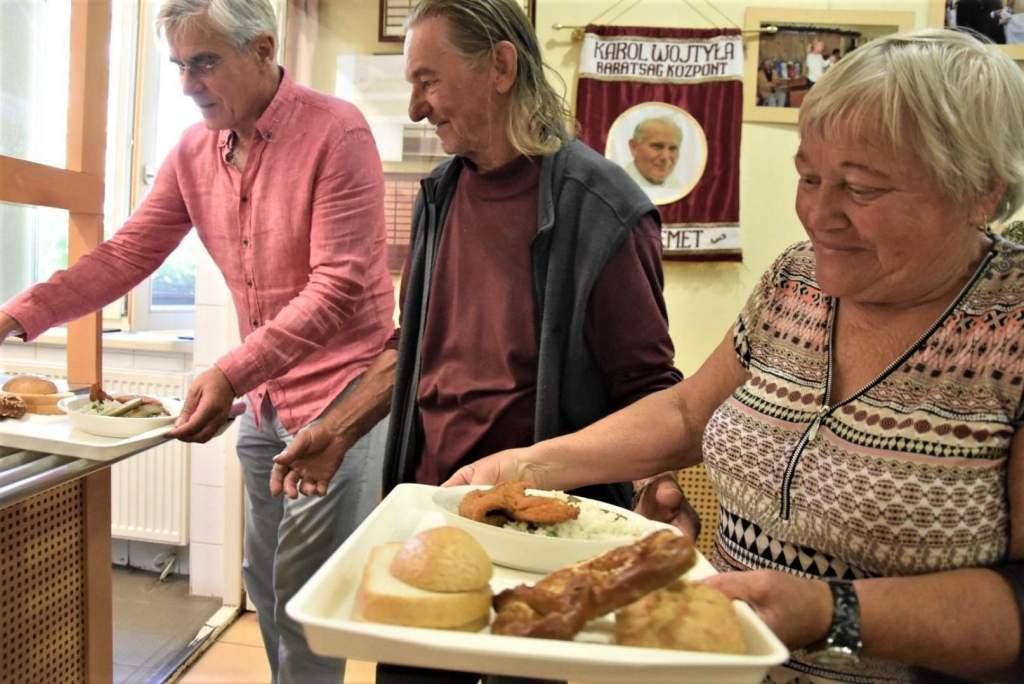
(285,188)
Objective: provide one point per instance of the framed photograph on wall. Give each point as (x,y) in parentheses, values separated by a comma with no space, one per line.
(1001,21)
(782,66)
(394,12)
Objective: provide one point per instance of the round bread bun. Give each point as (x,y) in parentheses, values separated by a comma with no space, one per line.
(444,559)
(29,384)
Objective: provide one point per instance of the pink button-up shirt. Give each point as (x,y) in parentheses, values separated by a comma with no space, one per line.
(299,237)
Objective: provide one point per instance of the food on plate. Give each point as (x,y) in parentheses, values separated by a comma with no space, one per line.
(559,605)
(443,559)
(126,406)
(687,616)
(396,582)
(29,384)
(590,521)
(508,501)
(12,406)
(39,394)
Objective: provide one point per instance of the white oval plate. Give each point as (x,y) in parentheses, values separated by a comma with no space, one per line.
(533,552)
(116,426)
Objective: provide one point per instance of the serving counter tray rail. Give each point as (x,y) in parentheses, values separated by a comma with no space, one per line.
(324,606)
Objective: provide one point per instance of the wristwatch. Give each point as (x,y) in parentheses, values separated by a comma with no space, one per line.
(842,644)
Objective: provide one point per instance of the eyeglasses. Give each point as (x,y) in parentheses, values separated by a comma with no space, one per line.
(203,65)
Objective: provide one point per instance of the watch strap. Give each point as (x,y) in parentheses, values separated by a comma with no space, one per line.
(842,645)
(844,632)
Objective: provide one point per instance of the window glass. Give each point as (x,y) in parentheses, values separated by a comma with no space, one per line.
(35,44)
(174,283)
(35,244)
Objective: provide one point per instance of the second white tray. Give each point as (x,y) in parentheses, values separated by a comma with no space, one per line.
(55,435)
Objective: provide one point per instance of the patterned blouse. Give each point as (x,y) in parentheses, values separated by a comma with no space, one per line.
(908,476)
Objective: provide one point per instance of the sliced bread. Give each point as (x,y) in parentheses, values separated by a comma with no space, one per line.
(382,597)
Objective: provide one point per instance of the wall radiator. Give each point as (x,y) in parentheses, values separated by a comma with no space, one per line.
(149,492)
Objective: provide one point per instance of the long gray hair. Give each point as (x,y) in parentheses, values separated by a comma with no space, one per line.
(239,21)
(538,117)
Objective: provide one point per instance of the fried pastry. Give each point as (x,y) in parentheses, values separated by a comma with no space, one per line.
(558,606)
(688,616)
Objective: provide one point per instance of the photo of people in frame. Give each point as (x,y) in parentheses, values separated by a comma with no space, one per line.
(662,147)
(792,59)
(1001,21)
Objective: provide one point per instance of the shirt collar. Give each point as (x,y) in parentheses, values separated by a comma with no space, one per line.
(272,116)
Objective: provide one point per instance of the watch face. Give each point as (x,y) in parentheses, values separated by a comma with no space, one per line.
(834,657)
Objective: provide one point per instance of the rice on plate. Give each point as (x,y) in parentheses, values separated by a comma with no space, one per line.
(544,548)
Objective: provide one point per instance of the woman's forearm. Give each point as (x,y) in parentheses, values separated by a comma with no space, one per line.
(962,622)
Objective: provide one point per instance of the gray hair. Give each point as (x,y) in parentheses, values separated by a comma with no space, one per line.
(239,21)
(641,128)
(952,99)
(538,116)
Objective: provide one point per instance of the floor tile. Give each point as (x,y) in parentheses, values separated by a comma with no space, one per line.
(244,631)
(229,663)
(238,657)
(360,672)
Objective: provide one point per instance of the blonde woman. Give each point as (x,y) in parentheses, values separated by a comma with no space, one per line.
(862,421)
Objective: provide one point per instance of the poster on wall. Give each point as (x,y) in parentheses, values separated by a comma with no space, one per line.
(666,104)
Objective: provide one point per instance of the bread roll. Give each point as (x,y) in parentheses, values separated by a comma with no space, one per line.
(29,384)
(688,616)
(382,597)
(443,559)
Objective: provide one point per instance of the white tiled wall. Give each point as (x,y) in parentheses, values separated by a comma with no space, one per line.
(216,333)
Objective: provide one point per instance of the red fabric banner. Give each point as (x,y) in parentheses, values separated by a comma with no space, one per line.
(667,105)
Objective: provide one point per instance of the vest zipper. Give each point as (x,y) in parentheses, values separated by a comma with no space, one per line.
(811,431)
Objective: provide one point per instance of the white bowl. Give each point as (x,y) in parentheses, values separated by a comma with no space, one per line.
(116,426)
(533,552)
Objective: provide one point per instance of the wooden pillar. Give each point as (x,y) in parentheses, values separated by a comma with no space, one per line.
(87,137)
(86,153)
(99,616)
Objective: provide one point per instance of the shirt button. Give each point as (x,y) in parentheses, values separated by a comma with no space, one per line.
(245,242)
(248,283)
(255,324)
(245,198)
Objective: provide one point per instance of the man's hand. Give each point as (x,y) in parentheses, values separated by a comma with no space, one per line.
(660,498)
(206,407)
(309,462)
(798,610)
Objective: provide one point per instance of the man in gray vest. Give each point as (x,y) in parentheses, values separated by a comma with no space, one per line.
(531,299)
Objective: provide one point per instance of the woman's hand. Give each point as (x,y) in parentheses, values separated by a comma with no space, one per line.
(661,498)
(798,610)
(511,464)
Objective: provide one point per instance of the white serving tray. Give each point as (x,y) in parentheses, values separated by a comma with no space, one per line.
(55,435)
(324,608)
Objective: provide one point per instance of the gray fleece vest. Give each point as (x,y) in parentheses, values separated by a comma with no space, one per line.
(586,209)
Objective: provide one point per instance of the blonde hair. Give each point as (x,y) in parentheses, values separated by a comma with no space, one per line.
(538,117)
(954,101)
